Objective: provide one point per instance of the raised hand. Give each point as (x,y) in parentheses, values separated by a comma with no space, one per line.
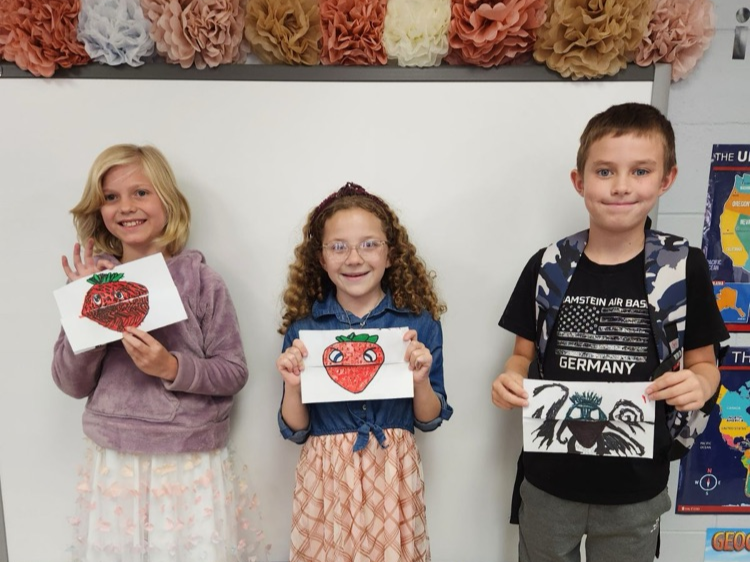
(85,265)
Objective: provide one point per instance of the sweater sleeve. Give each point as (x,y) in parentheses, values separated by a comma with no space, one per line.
(76,375)
(221,370)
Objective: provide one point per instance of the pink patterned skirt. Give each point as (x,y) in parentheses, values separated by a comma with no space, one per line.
(165,508)
(366,506)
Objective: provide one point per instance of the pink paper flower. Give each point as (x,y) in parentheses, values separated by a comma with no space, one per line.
(41,36)
(353,32)
(284,31)
(489,32)
(591,38)
(679,33)
(199,32)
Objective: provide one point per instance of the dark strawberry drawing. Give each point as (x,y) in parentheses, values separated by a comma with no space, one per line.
(115,304)
(353,361)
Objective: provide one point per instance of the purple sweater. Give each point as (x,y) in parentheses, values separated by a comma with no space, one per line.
(130,411)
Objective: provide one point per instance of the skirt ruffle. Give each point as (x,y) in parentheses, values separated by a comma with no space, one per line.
(165,508)
(366,506)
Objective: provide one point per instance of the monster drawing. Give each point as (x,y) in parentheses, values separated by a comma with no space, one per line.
(586,428)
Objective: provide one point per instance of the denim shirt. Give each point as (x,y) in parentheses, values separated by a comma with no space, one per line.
(370,416)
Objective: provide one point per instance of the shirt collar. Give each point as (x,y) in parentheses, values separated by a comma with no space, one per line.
(329,306)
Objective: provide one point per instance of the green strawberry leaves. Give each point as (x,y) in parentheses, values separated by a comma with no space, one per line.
(357,337)
(101,278)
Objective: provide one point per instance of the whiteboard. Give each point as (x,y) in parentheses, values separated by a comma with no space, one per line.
(478,172)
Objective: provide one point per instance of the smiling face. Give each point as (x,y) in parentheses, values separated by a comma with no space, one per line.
(357,279)
(132,211)
(622,180)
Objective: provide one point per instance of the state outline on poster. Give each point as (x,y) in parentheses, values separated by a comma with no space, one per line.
(95,309)
(726,232)
(614,419)
(363,364)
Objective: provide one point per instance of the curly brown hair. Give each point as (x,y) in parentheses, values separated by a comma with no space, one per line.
(411,285)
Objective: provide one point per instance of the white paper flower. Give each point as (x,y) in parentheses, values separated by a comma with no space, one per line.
(115,31)
(416,31)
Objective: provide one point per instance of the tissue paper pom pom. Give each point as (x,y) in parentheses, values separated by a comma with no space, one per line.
(679,33)
(41,36)
(115,31)
(591,38)
(284,31)
(200,32)
(353,32)
(489,33)
(416,31)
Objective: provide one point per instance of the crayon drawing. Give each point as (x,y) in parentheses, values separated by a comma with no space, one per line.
(592,418)
(113,303)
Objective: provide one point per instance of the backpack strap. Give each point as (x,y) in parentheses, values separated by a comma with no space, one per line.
(666,286)
(559,262)
(666,289)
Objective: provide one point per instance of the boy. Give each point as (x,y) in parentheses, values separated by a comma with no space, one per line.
(626,161)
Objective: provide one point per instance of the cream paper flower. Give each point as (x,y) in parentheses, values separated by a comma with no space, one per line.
(416,31)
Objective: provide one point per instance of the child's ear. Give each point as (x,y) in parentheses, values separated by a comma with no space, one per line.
(668,180)
(577,179)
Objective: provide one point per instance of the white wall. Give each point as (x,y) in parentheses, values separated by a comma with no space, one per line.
(478,172)
(709,107)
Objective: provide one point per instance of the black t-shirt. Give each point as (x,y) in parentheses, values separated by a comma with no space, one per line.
(608,304)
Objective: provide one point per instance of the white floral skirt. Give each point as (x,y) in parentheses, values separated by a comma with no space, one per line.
(165,508)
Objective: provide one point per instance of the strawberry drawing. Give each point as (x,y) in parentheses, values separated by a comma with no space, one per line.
(115,304)
(353,361)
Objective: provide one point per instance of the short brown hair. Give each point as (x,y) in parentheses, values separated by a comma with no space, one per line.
(638,118)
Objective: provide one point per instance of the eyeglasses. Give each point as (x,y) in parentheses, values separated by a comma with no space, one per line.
(340,250)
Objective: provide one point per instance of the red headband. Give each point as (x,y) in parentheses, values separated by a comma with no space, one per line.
(349,190)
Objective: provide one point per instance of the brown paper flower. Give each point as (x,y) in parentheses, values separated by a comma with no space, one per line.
(41,36)
(489,32)
(284,31)
(591,38)
(679,33)
(353,32)
(200,32)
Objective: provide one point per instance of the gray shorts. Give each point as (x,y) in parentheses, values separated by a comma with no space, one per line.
(550,529)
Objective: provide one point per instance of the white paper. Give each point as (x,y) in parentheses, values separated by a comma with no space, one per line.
(163,302)
(589,418)
(337,371)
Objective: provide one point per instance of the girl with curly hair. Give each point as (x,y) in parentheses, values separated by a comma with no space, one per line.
(359,491)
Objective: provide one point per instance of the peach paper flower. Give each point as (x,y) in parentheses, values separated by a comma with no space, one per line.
(679,33)
(591,38)
(353,32)
(284,31)
(489,32)
(41,36)
(200,32)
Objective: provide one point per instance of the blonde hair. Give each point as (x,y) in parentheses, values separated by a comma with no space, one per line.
(410,283)
(87,216)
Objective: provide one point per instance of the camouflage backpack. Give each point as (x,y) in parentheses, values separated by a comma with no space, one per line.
(666,288)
